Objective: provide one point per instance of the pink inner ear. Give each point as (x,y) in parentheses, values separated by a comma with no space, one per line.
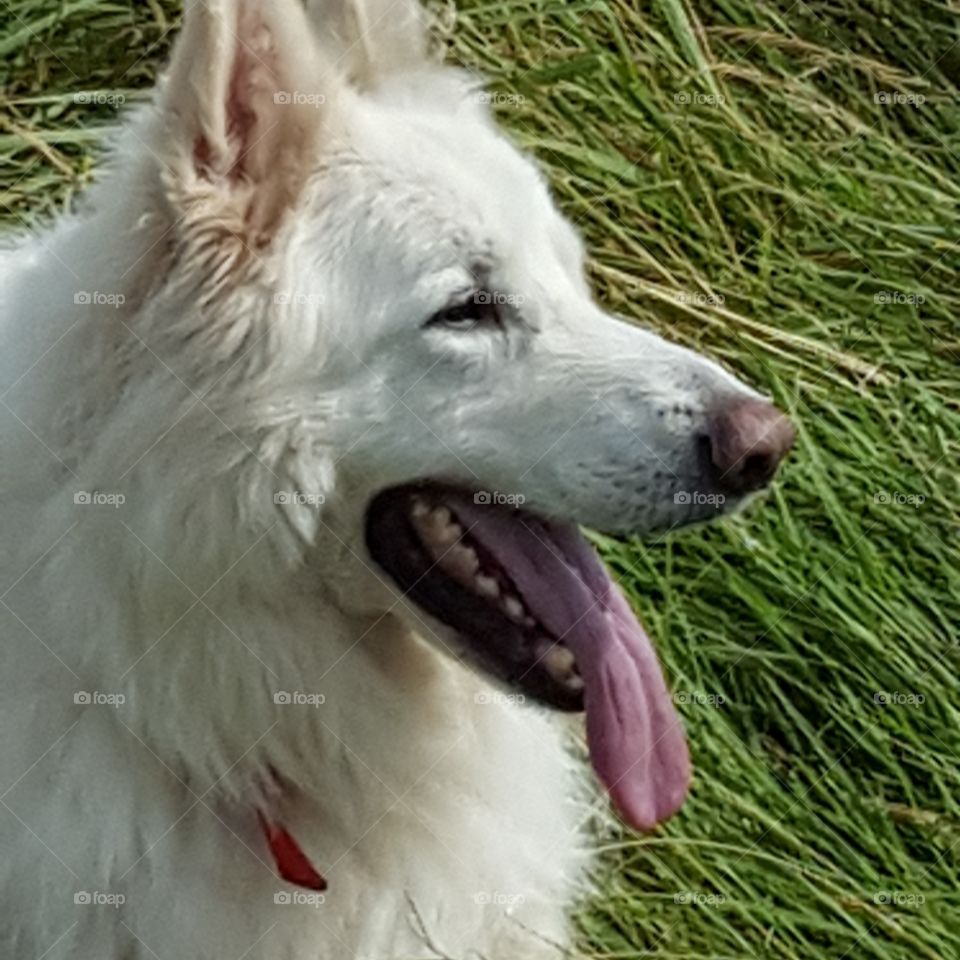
(240,117)
(249,144)
(240,112)
(203,158)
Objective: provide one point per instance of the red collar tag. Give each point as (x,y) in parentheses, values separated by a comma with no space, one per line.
(292,863)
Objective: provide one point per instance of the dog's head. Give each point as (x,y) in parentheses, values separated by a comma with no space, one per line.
(434,395)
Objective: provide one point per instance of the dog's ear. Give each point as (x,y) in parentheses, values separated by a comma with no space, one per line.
(371,39)
(245,107)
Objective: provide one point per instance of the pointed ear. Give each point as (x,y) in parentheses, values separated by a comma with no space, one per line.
(244,109)
(371,38)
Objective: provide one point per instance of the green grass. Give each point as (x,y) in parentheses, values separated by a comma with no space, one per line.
(744,187)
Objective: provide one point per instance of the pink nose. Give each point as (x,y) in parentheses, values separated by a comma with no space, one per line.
(748,439)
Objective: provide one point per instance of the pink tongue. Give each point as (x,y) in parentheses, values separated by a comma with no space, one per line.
(636,741)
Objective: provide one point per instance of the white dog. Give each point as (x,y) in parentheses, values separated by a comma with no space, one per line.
(298,415)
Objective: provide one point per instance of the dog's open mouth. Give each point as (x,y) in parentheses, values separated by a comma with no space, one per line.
(536,609)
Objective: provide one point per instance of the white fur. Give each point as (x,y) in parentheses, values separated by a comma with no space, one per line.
(276,277)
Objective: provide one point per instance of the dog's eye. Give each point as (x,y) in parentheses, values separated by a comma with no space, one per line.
(479,312)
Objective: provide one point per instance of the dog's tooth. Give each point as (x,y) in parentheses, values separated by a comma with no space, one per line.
(429,518)
(513,608)
(437,529)
(420,508)
(486,586)
(461,562)
(448,535)
(440,517)
(423,526)
(559,662)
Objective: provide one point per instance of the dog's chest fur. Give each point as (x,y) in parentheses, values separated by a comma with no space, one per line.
(472,847)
